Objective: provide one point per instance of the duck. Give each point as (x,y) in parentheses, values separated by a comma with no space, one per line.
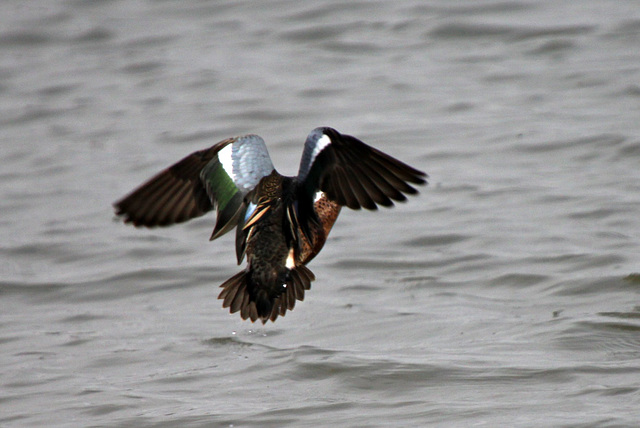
(281,222)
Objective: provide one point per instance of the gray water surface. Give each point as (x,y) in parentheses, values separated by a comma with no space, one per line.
(506,294)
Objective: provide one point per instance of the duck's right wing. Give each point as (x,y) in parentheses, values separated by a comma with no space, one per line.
(218,177)
(352,173)
(348,172)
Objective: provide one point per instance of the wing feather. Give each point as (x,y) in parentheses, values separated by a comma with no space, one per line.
(145,206)
(353,173)
(218,177)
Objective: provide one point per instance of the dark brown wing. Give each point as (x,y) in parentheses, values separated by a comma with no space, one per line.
(174,195)
(353,173)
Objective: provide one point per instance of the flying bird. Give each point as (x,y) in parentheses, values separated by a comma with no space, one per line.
(281,222)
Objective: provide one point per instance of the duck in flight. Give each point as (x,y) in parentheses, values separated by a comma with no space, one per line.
(281,222)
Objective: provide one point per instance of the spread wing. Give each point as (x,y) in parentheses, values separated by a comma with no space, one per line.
(353,174)
(217,177)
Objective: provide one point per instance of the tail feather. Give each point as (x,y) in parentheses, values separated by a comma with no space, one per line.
(230,288)
(236,297)
(301,278)
(249,311)
(239,299)
(238,294)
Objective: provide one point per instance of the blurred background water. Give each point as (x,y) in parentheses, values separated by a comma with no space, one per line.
(506,294)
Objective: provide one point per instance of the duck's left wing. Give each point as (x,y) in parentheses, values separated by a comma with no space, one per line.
(217,177)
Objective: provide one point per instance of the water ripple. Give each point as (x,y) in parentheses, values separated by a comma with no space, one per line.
(463,30)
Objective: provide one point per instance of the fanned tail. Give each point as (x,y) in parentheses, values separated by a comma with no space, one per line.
(238,294)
